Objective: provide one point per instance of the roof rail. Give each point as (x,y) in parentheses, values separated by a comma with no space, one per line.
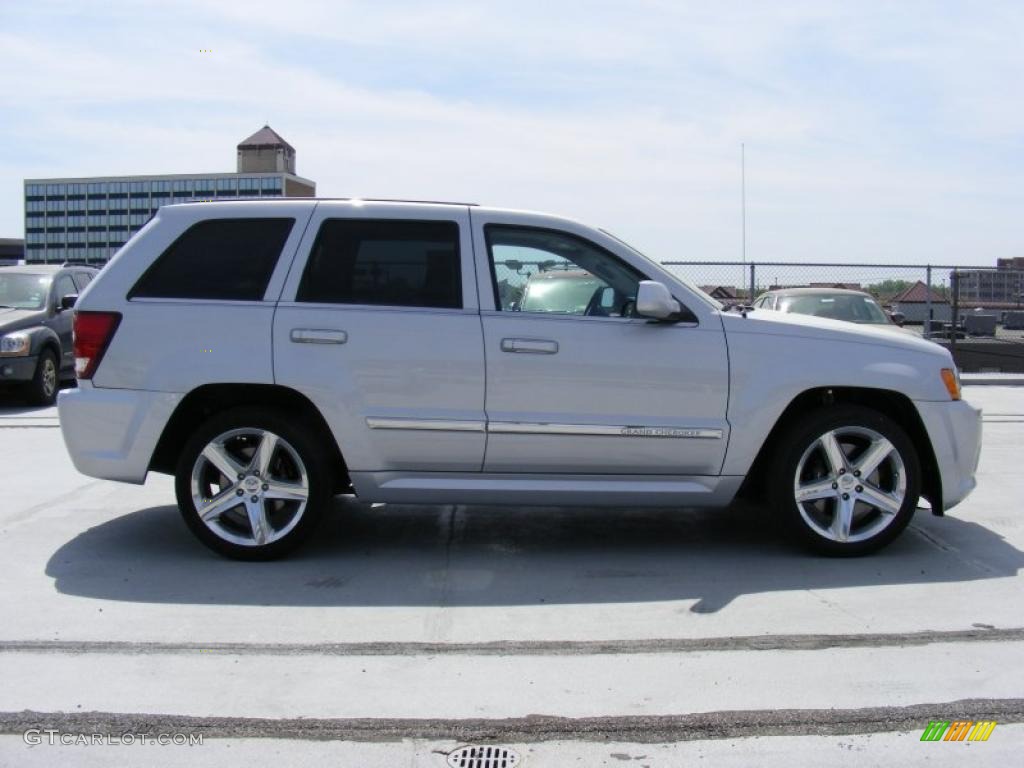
(279,198)
(76,263)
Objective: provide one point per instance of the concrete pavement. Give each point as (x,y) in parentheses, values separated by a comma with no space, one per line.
(446,615)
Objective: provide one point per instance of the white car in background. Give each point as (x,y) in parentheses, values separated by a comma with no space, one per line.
(833,303)
(271,354)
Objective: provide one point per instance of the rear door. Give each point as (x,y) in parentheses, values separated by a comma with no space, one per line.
(379,326)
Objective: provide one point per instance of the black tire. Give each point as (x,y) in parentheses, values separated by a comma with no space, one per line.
(45,383)
(298,449)
(815,524)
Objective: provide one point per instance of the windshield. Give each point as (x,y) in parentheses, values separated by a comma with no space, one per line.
(693,288)
(23,291)
(853,308)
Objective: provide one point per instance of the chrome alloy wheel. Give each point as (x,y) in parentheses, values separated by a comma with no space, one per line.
(850,484)
(249,486)
(49,377)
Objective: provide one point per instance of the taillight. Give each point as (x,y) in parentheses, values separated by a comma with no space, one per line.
(92,334)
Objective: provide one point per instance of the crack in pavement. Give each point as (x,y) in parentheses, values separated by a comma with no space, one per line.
(804,642)
(533,728)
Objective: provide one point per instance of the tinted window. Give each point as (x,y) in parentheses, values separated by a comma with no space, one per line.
(82,279)
(376,261)
(230,259)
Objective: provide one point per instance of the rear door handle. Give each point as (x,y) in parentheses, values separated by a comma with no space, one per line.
(530,346)
(318,336)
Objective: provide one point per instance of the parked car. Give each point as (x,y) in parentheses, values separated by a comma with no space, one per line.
(835,303)
(271,354)
(35,327)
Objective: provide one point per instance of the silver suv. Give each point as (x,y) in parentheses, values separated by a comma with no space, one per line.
(272,354)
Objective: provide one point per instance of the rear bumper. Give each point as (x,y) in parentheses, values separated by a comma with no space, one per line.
(112,433)
(955,432)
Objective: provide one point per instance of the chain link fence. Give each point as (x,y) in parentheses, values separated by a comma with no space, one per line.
(977,312)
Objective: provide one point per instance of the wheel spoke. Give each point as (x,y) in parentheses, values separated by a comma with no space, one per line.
(279,489)
(218,505)
(874,455)
(264,453)
(819,489)
(843,519)
(876,497)
(833,452)
(261,531)
(218,455)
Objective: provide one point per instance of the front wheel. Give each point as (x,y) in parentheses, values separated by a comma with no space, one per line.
(846,481)
(252,484)
(42,389)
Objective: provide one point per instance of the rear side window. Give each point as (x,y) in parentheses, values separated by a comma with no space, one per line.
(379,261)
(228,259)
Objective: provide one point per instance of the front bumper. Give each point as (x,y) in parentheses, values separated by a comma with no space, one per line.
(18,369)
(955,432)
(112,433)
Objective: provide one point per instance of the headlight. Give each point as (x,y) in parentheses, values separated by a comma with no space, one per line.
(15,345)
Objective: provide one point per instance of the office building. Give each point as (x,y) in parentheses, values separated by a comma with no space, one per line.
(88,219)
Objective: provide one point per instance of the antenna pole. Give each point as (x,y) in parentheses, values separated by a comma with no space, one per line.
(743,217)
(743,197)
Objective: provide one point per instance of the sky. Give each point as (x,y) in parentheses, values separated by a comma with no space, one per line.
(888,132)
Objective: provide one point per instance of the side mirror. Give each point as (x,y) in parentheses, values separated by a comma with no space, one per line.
(67,302)
(654,300)
(899,318)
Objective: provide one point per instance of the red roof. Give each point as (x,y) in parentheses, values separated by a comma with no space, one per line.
(918,294)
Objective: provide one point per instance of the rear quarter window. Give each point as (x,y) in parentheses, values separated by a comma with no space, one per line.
(226,259)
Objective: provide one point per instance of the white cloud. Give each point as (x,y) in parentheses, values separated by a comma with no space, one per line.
(636,124)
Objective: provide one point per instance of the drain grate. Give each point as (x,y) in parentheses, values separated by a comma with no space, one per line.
(483,757)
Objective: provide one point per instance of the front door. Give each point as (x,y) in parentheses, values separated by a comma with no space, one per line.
(61,321)
(576,383)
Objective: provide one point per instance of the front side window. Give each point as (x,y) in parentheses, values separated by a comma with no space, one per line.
(384,262)
(65,287)
(545,271)
(226,259)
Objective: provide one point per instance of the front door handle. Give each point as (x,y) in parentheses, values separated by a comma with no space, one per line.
(530,346)
(318,336)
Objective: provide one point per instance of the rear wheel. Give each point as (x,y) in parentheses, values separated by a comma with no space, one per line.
(42,389)
(252,484)
(846,481)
